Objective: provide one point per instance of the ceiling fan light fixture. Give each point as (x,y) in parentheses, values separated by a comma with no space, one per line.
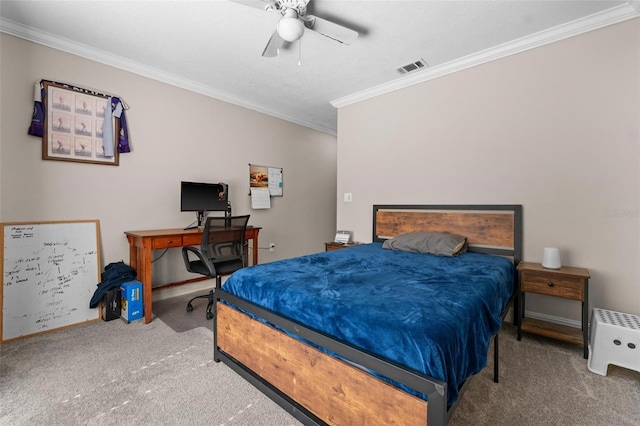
(290,28)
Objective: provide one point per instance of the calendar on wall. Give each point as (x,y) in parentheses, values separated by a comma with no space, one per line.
(260,198)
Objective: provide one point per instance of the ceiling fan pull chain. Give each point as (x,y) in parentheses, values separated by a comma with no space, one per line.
(299,52)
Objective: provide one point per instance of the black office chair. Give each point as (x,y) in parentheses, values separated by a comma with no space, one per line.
(221,252)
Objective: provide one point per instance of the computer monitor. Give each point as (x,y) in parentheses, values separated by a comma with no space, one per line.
(201,197)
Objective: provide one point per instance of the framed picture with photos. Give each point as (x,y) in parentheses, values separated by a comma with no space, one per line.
(74,123)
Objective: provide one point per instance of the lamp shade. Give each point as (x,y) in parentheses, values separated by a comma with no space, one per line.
(290,28)
(551,258)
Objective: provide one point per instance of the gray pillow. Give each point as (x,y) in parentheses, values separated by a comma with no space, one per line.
(437,243)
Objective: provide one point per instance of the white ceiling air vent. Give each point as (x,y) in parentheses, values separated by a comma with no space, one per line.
(413,66)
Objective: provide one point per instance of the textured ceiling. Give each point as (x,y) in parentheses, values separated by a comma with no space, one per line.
(214,47)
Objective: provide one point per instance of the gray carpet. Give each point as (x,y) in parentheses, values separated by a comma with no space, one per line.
(108,373)
(546,382)
(173,312)
(105,373)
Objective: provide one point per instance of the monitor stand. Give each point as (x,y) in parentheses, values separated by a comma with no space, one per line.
(201,215)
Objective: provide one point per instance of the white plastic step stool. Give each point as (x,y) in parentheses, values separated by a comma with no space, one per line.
(615,339)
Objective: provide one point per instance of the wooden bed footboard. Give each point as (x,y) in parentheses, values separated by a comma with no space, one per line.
(313,386)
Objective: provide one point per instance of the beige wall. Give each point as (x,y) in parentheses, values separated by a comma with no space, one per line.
(176,135)
(556,129)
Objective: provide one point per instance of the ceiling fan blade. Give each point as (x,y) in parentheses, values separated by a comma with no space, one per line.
(271,49)
(257,4)
(330,29)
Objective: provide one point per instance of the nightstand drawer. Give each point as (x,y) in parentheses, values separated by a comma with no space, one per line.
(553,284)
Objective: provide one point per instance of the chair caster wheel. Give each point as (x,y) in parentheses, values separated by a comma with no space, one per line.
(189,307)
(209,315)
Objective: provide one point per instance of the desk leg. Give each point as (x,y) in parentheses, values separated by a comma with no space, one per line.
(140,260)
(133,253)
(255,249)
(144,275)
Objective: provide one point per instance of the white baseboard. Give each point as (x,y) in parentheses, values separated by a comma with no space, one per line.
(544,317)
(179,290)
(553,319)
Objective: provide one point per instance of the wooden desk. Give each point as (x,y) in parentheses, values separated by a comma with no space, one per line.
(142,244)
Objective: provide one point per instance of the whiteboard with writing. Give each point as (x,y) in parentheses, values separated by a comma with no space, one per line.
(50,271)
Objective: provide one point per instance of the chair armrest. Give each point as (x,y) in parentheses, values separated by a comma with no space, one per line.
(201,257)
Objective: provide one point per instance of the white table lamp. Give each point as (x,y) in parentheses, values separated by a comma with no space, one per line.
(551,258)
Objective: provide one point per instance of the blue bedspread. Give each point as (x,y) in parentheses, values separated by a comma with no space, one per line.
(435,315)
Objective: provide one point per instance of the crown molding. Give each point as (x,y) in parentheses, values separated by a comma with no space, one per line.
(574,28)
(60,43)
(580,26)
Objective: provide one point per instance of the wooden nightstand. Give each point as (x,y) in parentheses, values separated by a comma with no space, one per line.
(337,246)
(566,282)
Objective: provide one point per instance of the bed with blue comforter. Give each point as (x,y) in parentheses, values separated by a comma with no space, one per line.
(431,315)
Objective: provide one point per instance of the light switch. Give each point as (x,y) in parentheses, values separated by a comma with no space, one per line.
(348,197)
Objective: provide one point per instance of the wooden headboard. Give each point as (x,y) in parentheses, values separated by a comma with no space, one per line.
(492,229)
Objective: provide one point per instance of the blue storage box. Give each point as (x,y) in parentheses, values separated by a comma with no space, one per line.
(131,297)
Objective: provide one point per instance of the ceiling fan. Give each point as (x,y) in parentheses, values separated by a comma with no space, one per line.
(294,21)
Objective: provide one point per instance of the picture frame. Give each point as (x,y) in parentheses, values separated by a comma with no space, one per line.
(73,125)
